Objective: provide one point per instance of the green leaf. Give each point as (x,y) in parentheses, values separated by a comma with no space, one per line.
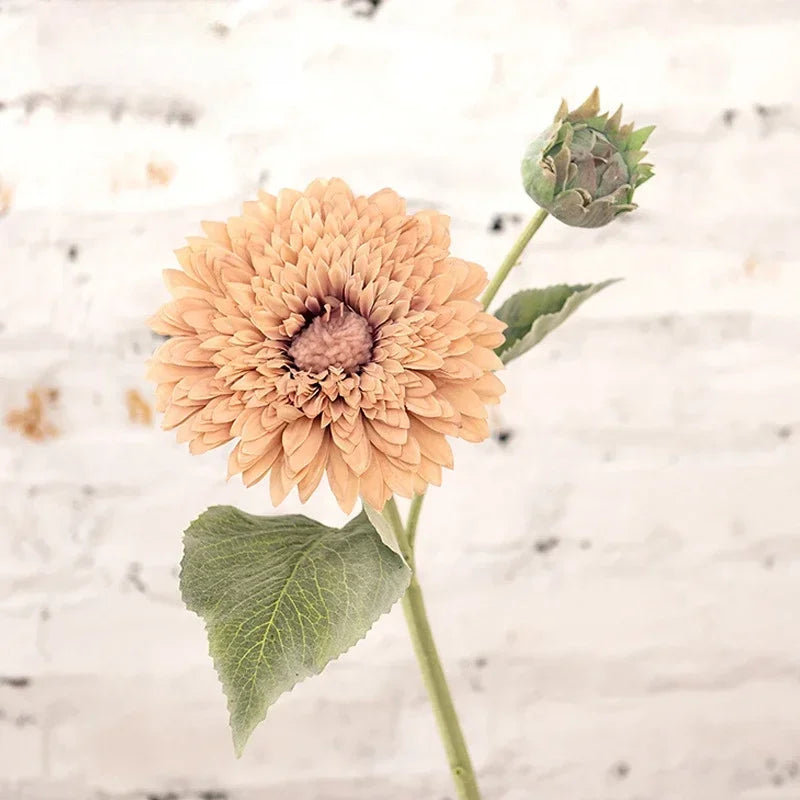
(531,314)
(281,597)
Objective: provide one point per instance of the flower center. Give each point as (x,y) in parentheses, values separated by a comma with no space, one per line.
(340,339)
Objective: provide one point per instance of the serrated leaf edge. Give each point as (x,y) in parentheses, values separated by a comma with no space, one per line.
(239,745)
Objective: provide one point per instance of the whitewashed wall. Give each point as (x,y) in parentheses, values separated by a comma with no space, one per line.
(615,579)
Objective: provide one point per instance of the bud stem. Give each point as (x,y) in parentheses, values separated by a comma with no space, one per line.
(513,256)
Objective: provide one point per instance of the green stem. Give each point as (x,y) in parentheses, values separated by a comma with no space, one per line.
(413,518)
(513,256)
(392,515)
(430,664)
(413,602)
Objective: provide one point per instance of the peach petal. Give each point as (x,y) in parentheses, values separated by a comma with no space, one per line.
(374,421)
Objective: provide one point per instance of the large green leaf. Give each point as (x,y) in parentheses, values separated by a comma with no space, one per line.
(533,313)
(281,597)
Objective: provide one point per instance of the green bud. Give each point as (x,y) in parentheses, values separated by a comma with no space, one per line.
(585,167)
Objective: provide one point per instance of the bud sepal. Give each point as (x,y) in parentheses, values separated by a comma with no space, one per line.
(584,168)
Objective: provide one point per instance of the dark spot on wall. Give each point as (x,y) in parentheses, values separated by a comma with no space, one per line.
(88,490)
(729,116)
(666,322)
(498,222)
(185,117)
(770,116)
(73,252)
(504,435)
(31,102)
(763,111)
(365,8)
(212,794)
(621,770)
(784,431)
(161,796)
(16,682)
(25,720)
(481,662)
(546,545)
(134,577)
(781,773)
(585,544)
(3,105)
(769,562)
(219,29)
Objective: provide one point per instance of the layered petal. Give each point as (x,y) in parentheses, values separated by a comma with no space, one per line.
(331,335)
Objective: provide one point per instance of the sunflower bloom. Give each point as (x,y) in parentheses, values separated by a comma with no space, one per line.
(329,334)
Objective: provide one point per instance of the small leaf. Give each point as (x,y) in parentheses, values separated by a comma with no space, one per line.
(531,314)
(281,597)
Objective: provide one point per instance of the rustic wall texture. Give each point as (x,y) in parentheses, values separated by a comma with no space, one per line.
(615,576)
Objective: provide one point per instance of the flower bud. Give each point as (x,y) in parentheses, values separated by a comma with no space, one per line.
(585,167)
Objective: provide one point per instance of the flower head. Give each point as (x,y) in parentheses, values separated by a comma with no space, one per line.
(330,334)
(585,167)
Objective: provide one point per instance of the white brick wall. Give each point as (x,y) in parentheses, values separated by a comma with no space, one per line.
(615,587)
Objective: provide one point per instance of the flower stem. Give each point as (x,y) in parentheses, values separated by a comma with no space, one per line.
(513,256)
(413,603)
(430,664)
(413,518)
